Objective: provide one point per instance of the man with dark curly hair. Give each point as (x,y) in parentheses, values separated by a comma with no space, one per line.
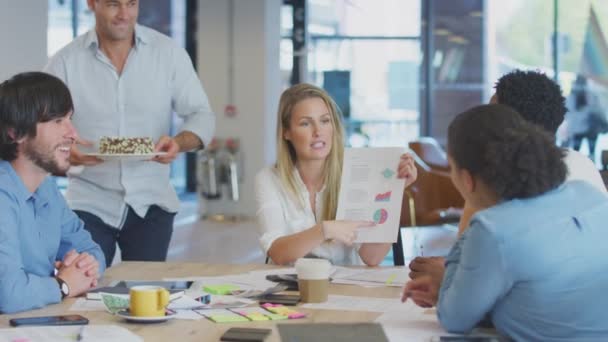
(539,100)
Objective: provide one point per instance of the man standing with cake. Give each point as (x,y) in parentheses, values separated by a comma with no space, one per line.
(126,80)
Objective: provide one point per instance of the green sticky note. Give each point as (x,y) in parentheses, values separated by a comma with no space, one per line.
(256,316)
(276,317)
(228,318)
(224,289)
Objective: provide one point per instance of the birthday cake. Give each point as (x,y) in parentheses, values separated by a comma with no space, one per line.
(121,145)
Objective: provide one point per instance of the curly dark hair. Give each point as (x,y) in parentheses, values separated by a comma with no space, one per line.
(513,157)
(535,96)
(25,100)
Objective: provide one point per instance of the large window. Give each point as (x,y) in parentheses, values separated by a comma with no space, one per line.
(367,56)
(403,68)
(582,28)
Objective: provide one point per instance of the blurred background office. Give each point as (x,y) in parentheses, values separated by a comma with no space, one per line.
(399,69)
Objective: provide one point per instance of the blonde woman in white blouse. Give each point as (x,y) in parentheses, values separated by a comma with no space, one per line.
(298,197)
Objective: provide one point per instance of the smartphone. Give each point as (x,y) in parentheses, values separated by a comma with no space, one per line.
(50,320)
(280,299)
(245,334)
(282,277)
(290,280)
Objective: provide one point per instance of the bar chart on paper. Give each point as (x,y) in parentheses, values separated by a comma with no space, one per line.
(371,191)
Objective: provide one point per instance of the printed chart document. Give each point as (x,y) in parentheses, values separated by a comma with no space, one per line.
(371,191)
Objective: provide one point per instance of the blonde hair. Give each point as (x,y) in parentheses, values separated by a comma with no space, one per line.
(286,154)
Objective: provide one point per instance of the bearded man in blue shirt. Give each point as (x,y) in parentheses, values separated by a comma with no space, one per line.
(45,252)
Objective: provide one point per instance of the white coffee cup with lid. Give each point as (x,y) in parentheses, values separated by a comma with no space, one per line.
(313,279)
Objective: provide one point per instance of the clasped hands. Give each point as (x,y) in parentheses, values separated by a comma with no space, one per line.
(426,274)
(79,270)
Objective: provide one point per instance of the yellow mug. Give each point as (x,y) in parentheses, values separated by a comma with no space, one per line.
(148,301)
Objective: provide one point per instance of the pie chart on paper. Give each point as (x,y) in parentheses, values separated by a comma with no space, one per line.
(380,216)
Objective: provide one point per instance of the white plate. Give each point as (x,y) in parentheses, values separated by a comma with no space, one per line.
(126,315)
(133,157)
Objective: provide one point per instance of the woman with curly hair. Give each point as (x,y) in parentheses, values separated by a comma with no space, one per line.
(532,258)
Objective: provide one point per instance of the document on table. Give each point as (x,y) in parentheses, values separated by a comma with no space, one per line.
(352,303)
(371,277)
(254,280)
(83,304)
(423,325)
(90,333)
(419,325)
(371,191)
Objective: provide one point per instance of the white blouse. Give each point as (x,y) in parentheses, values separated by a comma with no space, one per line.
(279,215)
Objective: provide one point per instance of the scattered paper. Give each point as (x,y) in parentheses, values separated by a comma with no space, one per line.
(419,325)
(265,272)
(90,333)
(83,304)
(254,280)
(374,277)
(184,303)
(226,302)
(352,303)
(371,191)
(187,315)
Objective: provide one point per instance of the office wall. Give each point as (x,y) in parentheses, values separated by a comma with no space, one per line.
(238,62)
(23,26)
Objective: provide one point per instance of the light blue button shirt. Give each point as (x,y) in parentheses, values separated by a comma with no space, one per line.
(157,79)
(537,266)
(36,229)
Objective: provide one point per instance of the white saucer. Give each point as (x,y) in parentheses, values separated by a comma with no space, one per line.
(126,315)
(126,156)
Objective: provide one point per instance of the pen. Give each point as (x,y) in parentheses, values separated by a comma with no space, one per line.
(390,279)
(80,336)
(421,251)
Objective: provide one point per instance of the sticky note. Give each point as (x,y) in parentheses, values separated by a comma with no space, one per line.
(255,316)
(224,316)
(227,318)
(283,310)
(259,314)
(224,289)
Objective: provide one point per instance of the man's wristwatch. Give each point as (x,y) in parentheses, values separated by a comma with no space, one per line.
(63,287)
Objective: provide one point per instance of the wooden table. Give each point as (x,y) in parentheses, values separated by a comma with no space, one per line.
(203,330)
